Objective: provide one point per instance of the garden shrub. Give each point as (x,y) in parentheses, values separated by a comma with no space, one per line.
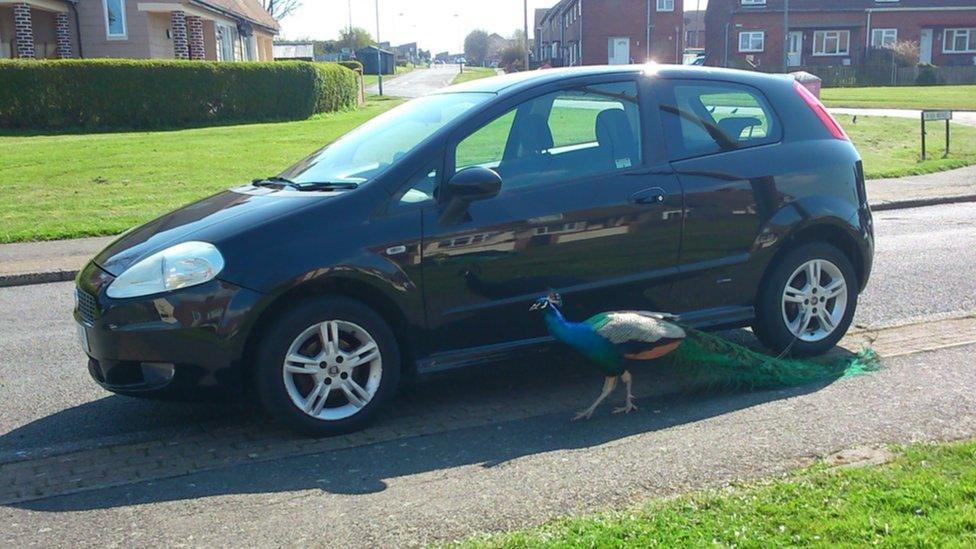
(927,75)
(134,94)
(352,64)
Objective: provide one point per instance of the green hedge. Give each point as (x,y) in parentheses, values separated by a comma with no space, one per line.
(352,64)
(116,94)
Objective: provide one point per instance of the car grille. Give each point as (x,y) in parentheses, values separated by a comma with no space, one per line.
(87,307)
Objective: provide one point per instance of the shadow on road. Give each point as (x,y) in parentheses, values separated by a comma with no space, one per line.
(495,443)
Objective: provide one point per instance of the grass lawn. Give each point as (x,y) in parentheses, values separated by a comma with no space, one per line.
(903,97)
(925,497)
(891,146)
(372,79)
(473,73)
(65,186)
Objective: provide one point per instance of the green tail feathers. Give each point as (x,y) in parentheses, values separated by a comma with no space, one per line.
(710,361)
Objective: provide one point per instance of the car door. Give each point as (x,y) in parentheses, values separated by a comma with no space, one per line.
(722,138)
(587,207)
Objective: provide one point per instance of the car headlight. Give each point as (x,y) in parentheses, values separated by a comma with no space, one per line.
(179,266)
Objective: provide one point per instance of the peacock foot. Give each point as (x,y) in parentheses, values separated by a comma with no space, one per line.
(585,414)
(626,408)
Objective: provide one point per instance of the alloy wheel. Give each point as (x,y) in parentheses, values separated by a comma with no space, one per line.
(814,300)
(332,370)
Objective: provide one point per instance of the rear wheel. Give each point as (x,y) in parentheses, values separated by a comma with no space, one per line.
(808,301)
(326,366)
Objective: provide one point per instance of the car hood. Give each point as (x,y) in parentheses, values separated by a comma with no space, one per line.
(226,210)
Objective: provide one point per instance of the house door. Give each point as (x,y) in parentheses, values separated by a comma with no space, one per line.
(618,51)
(794,48)
(925,46)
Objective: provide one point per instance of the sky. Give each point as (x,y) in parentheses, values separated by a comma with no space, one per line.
(437,25)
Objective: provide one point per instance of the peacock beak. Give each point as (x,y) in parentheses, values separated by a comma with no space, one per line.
(534,307)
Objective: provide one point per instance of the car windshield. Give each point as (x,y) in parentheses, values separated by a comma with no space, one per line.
(370,149)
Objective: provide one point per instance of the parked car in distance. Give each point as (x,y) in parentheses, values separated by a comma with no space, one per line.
(417,242)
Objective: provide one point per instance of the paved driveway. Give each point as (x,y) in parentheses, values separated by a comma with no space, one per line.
(418,82)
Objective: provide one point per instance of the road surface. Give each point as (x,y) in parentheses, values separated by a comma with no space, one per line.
(967,118)
(488,449)
(417,82)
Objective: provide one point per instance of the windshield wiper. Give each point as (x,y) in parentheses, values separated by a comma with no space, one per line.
(328,185)
(276,182)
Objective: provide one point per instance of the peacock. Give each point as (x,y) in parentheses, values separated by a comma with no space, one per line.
(617,341)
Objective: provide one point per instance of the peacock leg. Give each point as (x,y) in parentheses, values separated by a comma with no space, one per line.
(608,385)
(628,407)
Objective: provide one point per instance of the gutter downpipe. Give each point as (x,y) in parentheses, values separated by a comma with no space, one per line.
(74,9)
(867,33)
(647,39)
(727,43)
(581,33)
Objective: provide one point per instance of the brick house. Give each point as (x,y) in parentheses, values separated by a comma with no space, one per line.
(750,33)
(231,30)
(614,32)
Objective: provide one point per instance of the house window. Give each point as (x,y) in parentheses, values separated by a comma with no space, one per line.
(883,38)
(959,41)
(115,27)
(753,2)
(752,41)
(225,43)
(665,5)
(831,42)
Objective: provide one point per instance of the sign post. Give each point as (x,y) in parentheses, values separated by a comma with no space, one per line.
(935,116)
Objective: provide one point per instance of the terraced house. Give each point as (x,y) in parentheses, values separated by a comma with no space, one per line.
(614,32)
(224,30)
(751,33)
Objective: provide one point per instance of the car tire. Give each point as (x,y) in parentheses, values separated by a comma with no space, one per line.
(326,366)
(825,309)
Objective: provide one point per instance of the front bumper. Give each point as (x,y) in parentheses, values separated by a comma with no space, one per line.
(180,344)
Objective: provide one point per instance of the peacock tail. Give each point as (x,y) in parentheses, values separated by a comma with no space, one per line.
(709,361)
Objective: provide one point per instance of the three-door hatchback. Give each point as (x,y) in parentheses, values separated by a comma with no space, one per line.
(415,243)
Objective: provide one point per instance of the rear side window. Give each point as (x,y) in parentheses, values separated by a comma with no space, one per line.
(702,118)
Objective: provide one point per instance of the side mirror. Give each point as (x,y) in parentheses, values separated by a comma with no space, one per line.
(468,185)
(475,183)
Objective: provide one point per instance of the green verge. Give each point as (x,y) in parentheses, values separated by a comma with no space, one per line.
(891,147)
(473,73)
(372,79)
(903,97)
(68,186)
(924,497)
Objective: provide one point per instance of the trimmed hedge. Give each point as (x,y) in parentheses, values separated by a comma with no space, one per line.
(352,64)
(130,94)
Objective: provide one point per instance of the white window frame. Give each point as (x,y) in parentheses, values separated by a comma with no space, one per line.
(665,5)
(753,2)
(229,31)
(751,35)
(108,28)
(949,45)
(883,33)
(823,42)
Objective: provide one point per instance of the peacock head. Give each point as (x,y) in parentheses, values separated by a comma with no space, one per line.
(544,303)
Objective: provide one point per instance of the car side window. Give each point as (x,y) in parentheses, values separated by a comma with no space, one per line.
(421,188)
(702,118)
(559,136)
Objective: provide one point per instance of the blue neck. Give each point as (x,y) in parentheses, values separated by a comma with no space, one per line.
(557,324)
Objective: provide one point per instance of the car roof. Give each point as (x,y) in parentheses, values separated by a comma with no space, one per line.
(517,81)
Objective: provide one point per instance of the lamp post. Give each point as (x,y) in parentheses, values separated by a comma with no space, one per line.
(379,54)
(525,48)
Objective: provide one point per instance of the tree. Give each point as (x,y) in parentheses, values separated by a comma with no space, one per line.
(354,38)
(279,9)
(513,54)
(476,46)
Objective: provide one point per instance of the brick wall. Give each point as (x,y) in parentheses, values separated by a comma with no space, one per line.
(64,36)
(181,44)
(24,31)
(194,27)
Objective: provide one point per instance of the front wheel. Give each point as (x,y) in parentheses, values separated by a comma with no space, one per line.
(326,366)
(808,301)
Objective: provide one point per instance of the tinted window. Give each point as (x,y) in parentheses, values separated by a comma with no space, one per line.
(559,136)
(709,117)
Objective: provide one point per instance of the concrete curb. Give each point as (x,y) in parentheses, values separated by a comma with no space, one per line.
(47,277)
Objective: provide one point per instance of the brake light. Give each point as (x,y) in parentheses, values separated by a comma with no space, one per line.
(818,109)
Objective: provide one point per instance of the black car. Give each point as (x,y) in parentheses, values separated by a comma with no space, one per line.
(417,242)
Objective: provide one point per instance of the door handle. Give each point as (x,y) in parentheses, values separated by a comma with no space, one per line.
(648,197)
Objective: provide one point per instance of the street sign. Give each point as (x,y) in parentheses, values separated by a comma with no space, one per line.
(930,116)
(936,116)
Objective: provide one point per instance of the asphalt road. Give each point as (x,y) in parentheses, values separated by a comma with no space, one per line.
(923,269)
(511,473)
(418,82)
